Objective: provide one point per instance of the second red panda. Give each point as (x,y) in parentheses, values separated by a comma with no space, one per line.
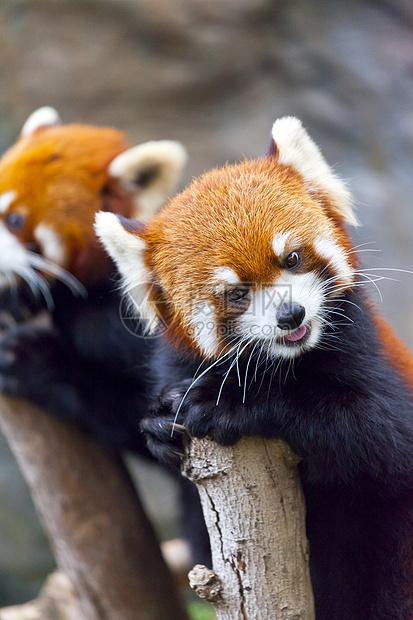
(84,366)
(254,275)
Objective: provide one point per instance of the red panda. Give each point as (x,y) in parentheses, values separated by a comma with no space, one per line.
(268,331)
(54,180)
(85,367)
(52,183)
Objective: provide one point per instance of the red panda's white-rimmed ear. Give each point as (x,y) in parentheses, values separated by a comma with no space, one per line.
(121,238)
(292,145)
(153,169)
(43,117)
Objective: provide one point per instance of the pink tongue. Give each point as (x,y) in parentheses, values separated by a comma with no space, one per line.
(297,335)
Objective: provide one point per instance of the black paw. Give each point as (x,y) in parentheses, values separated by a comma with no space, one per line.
(7,320)
(30,361)
(165,432)
(190,410)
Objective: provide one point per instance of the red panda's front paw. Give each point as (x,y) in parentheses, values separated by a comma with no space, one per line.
(203,416)
(29,362)
(164,429)
(213,421)
(186,411)
(15,373)
(165,439)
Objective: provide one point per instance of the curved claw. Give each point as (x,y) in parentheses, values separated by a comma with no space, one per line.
(165,439)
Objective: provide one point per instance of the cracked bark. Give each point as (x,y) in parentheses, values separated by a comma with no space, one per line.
(255,514)
(100,535)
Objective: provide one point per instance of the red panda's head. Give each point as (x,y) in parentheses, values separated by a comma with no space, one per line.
(52,183)
(248,253)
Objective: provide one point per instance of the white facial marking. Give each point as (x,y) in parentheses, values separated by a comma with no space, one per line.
(43,117)
(203,329)
(226,275)
(295,148)
(50,243)
(327,248)
(259,322)
(6,199)
(279,243)
(13,258)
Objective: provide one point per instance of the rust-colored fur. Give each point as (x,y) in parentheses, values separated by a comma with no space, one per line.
(316,367)
(58,174)
(228,217)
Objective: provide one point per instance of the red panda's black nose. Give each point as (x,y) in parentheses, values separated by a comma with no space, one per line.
(290,315)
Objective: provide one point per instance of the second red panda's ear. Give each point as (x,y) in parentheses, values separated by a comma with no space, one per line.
(40,119)
(292,145)
(151,171)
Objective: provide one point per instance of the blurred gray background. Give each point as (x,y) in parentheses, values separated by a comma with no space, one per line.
(215,74)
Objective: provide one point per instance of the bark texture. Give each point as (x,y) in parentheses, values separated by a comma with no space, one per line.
(255,514)
(99,532)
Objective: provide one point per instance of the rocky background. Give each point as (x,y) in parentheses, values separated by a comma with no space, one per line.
(215,74)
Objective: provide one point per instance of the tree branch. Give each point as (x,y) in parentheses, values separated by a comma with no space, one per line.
(56,601)
(255,514)
(100,534)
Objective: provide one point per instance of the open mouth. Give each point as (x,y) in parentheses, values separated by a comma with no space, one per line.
(299,336)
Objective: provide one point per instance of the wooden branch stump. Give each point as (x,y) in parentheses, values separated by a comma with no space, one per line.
(255,514)
(56,601)
(100,535)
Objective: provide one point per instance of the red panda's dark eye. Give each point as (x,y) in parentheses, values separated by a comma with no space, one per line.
(236,294)
(292,260)
(14,222)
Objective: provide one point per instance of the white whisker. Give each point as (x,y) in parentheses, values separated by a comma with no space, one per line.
(196,379)
(36,284)
(246,371)
(26,273)
(386,269)
(43,264)
(235,362)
